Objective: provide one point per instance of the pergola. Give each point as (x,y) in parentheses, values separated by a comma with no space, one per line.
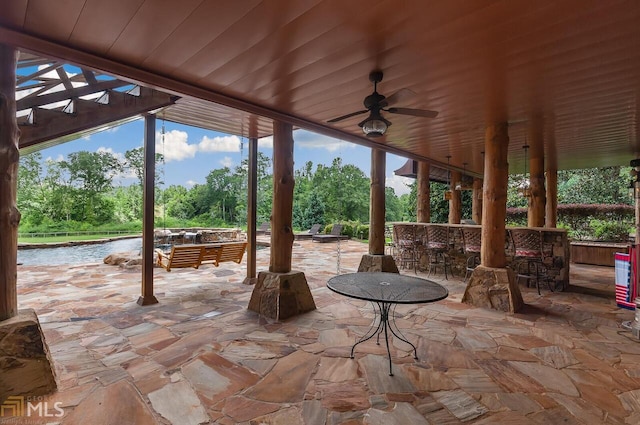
(560,77)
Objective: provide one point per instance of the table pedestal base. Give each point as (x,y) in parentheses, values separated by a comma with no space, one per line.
(385,325)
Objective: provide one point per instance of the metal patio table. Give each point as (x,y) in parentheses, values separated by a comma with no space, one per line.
(385,290)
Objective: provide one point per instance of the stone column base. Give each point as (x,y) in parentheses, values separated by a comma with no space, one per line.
(493,288)
(281,295)
(25,363)
(378,263)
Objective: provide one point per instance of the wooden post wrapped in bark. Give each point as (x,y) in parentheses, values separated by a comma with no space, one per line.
(535,216)
(376,205)
(476,202)
(455,204)
(282,210)
(551,216)
(9,158)
(252,203)
(424,192)
(494,211)
(147,296)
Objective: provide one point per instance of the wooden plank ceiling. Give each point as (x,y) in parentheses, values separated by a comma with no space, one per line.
(571,66)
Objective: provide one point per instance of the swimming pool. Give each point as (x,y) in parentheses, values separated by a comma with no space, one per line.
(78,254)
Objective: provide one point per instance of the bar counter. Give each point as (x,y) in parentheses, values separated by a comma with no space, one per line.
(554,244)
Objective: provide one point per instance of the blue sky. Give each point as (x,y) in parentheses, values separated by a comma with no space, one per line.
(191,153)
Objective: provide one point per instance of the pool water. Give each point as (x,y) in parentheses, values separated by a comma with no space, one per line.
(79,254)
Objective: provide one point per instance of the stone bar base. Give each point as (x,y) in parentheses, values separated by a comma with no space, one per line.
(493,288)
(378,263)
(281,295)
(25,364)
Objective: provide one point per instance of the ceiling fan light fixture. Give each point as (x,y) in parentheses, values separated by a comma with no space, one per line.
(375,125)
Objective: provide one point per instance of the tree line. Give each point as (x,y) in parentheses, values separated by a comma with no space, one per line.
(79,193)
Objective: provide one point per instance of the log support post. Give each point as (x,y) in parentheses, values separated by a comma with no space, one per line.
(491,285)
(424,192)
(9,159)
(455,203)
(252,207)
(536,210)
(281,293)
(376,260)
(476,202)
(148,208)
(25,363)
(551,206)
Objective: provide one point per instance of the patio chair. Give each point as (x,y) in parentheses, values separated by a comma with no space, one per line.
(335,235)
(407,244)
(471,240)
(264,229)
(531,257)
(437,246)
(181,256)
(309,233)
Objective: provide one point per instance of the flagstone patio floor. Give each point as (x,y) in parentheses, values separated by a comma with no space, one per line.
(199,356)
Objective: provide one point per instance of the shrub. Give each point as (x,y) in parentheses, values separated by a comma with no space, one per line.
(362,231)
(610,230)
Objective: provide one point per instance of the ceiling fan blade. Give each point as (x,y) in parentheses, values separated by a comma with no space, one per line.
(414,112)
(402,95)
(344,117)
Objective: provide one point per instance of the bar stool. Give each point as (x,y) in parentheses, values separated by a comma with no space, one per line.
(406,246)
(438,249)
(530,256)
(471,242)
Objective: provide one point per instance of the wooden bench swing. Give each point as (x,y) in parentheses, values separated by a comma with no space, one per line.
(182,256)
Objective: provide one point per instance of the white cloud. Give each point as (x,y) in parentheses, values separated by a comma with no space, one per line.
(309,140)
(219,144)
(191,183)
(58,158)
(226,162)
(399,184)
(176,146)
(266,142)
(119,155)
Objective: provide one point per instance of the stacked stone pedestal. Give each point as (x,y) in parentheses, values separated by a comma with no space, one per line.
(378,263)
(493,288)
(25,363)
(281,295)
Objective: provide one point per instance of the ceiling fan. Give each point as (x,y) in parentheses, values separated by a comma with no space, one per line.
(376,125)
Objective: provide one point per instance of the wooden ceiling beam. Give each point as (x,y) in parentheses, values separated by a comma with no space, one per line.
(50,125)
(46,99)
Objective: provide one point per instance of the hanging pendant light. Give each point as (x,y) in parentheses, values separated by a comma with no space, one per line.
(448,194)
(460,184)
(524,186)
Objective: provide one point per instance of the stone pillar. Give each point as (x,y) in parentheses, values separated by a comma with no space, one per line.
(25,362)
(424,192)
(252,207)
(536,211)
(551,216)
(9,159)
(490,285)
(455,203)
(281,293)
(476,202)
(376,260)
(148,209)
